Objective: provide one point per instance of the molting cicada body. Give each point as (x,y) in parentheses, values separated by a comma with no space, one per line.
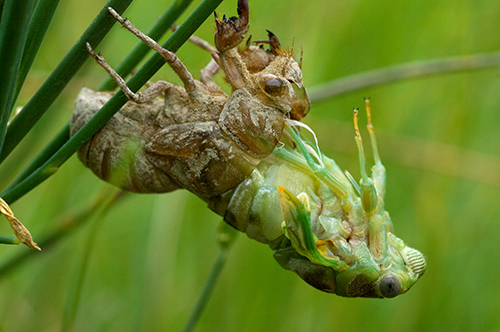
(330,230)
(244,154)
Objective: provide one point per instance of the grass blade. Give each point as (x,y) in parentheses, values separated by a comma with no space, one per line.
(42,15)
(13,30)
(53,86)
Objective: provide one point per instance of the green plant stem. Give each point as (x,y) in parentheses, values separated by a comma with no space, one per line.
(56,82)
(9,240)
(13,32)
(175,41)
(49,150)
(42,15)
(207,290)
(226,237)
(140,50)
(73,299)
(402,72)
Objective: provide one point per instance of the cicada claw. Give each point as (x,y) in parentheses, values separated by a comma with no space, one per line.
(273,41)
(231,31)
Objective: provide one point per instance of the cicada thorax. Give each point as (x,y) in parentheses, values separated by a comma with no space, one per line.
(211,157)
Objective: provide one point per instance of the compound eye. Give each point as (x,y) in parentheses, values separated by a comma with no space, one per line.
(390,286)
(271,85)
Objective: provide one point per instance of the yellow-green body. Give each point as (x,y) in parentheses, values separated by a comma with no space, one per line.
(323,234)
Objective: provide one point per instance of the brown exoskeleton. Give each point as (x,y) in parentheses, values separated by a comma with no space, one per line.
(196,137)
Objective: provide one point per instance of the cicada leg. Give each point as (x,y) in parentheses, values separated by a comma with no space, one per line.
(378,170)
(208,73)
(298,228)
(170,57)
(212,68)
(372,189)
(192,86)
(317,168)
(372,193)
(150,93)
(229,34)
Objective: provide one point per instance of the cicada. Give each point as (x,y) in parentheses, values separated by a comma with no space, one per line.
(244,154)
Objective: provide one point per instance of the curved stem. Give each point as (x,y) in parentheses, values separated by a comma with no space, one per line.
(226,237)
(402,72)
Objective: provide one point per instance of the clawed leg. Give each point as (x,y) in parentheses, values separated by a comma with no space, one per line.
(229,34)
(140,97)
(231,31)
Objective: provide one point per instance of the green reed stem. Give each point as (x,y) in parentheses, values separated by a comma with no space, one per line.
(226,237)
(13,31)
(42,15)
(56,82)
(402,72)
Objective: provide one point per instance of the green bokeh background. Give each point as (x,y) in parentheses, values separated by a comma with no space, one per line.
(438,137)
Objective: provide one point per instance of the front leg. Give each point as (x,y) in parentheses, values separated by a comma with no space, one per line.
(230,33)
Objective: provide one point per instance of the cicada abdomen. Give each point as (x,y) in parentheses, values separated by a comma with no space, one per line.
(196,137)
(333,232)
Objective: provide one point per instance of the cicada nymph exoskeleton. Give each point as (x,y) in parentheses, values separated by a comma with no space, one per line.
(231,151)
(196,137)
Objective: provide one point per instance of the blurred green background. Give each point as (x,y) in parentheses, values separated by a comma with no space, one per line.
(438,137)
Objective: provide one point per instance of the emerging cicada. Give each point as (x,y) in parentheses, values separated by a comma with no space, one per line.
(243,155)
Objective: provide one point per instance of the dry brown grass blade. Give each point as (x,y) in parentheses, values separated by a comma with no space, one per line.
(21,232)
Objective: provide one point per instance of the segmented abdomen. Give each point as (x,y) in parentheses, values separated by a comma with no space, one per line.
(116,152)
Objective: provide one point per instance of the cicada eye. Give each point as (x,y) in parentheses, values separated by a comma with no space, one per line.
(390,286)
(271,85)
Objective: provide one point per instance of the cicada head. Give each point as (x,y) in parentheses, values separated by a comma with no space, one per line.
(395,275)
(277,77)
